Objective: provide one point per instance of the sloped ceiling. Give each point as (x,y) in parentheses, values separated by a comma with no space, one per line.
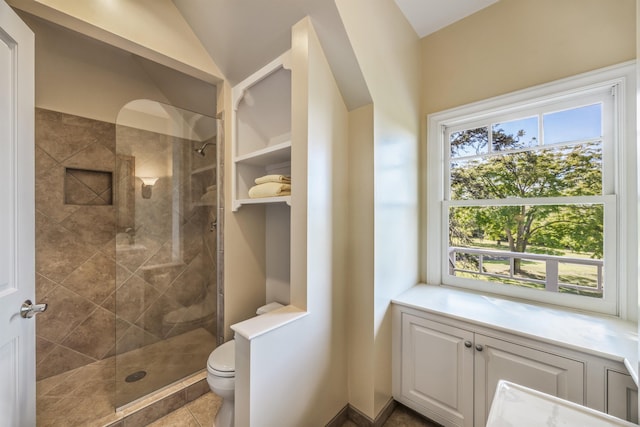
(428,16)
(240,36)
(243,35)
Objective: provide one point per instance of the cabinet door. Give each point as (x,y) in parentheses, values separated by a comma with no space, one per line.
(500,360)
(622,396)
(437,371)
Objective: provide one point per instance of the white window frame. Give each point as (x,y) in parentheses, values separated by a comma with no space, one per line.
(619,188)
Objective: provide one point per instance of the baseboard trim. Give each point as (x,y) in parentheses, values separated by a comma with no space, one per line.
(340,418)
(361,420)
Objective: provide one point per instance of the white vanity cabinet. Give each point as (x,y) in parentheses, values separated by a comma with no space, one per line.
(497,359)
(622,396)
(450,348)
(436,370)
(449,374)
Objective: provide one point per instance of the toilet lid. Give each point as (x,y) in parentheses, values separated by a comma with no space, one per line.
(223,358)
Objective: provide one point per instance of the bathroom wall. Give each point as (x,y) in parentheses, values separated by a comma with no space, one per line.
(151,29)
(360,295)
(535,42)
(387,50)
(84,77)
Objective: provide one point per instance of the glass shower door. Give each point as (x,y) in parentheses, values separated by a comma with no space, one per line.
(166,201)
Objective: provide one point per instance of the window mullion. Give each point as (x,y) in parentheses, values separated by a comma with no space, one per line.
(517,201)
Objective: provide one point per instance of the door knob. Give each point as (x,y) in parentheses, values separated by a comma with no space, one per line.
(468,344)
(479,347)
(28,309)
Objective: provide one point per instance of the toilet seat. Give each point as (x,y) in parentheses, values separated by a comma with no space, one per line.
(222,360)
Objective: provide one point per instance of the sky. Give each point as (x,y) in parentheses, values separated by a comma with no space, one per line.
(576,124)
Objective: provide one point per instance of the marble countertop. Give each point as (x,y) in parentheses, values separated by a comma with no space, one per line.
(603,336)
(515,405)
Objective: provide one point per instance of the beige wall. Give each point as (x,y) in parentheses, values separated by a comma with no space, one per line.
(360,295)
(515,44)
(387,50)
(79,76)
(152,29)
(84,77)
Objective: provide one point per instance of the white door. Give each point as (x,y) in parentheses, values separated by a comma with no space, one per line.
(17,221)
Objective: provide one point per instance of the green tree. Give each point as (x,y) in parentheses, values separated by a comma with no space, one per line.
(569,171)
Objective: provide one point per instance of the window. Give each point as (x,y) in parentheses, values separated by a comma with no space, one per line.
(527,193)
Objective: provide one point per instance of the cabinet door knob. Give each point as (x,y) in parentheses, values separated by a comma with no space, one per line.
(468,344)
(479,347)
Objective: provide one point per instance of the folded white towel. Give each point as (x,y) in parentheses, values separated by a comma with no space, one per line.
(273,178)
(269,189)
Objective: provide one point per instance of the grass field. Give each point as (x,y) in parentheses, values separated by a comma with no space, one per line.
(575,274)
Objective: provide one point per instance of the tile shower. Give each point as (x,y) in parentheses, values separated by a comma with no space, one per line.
(128,270)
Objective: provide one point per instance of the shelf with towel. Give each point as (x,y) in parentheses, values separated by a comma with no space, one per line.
(275,154)
(264,200)
(261,161)
(261,143)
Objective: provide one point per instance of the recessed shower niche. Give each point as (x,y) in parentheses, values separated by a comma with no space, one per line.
(88,187)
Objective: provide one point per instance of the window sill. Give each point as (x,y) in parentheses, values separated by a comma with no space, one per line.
(598,335)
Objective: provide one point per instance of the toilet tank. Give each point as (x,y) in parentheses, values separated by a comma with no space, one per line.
(268,307)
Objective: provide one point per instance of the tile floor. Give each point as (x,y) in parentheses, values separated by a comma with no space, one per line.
(199,413)
(402,417)
(202,411)
(85,396)
(164,363)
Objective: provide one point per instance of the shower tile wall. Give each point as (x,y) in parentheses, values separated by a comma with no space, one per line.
(77,273)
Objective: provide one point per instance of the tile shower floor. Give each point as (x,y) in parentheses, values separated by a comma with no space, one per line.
(86,396)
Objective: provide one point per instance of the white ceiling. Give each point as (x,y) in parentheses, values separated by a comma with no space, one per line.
(428,16)
(243,35)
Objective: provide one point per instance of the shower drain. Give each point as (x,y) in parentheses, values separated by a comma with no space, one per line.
(136,376)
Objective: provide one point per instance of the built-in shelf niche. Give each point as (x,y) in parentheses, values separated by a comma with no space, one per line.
(262,134)
(261,145)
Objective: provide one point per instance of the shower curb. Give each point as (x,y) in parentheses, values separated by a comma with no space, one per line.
(162,406)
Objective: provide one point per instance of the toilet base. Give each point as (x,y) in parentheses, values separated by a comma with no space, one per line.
(224,418)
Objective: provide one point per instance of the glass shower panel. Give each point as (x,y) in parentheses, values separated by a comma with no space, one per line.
(166,202)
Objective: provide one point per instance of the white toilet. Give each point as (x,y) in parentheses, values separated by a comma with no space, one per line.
(221,373)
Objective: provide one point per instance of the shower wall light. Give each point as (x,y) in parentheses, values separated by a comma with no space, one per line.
(147,185)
